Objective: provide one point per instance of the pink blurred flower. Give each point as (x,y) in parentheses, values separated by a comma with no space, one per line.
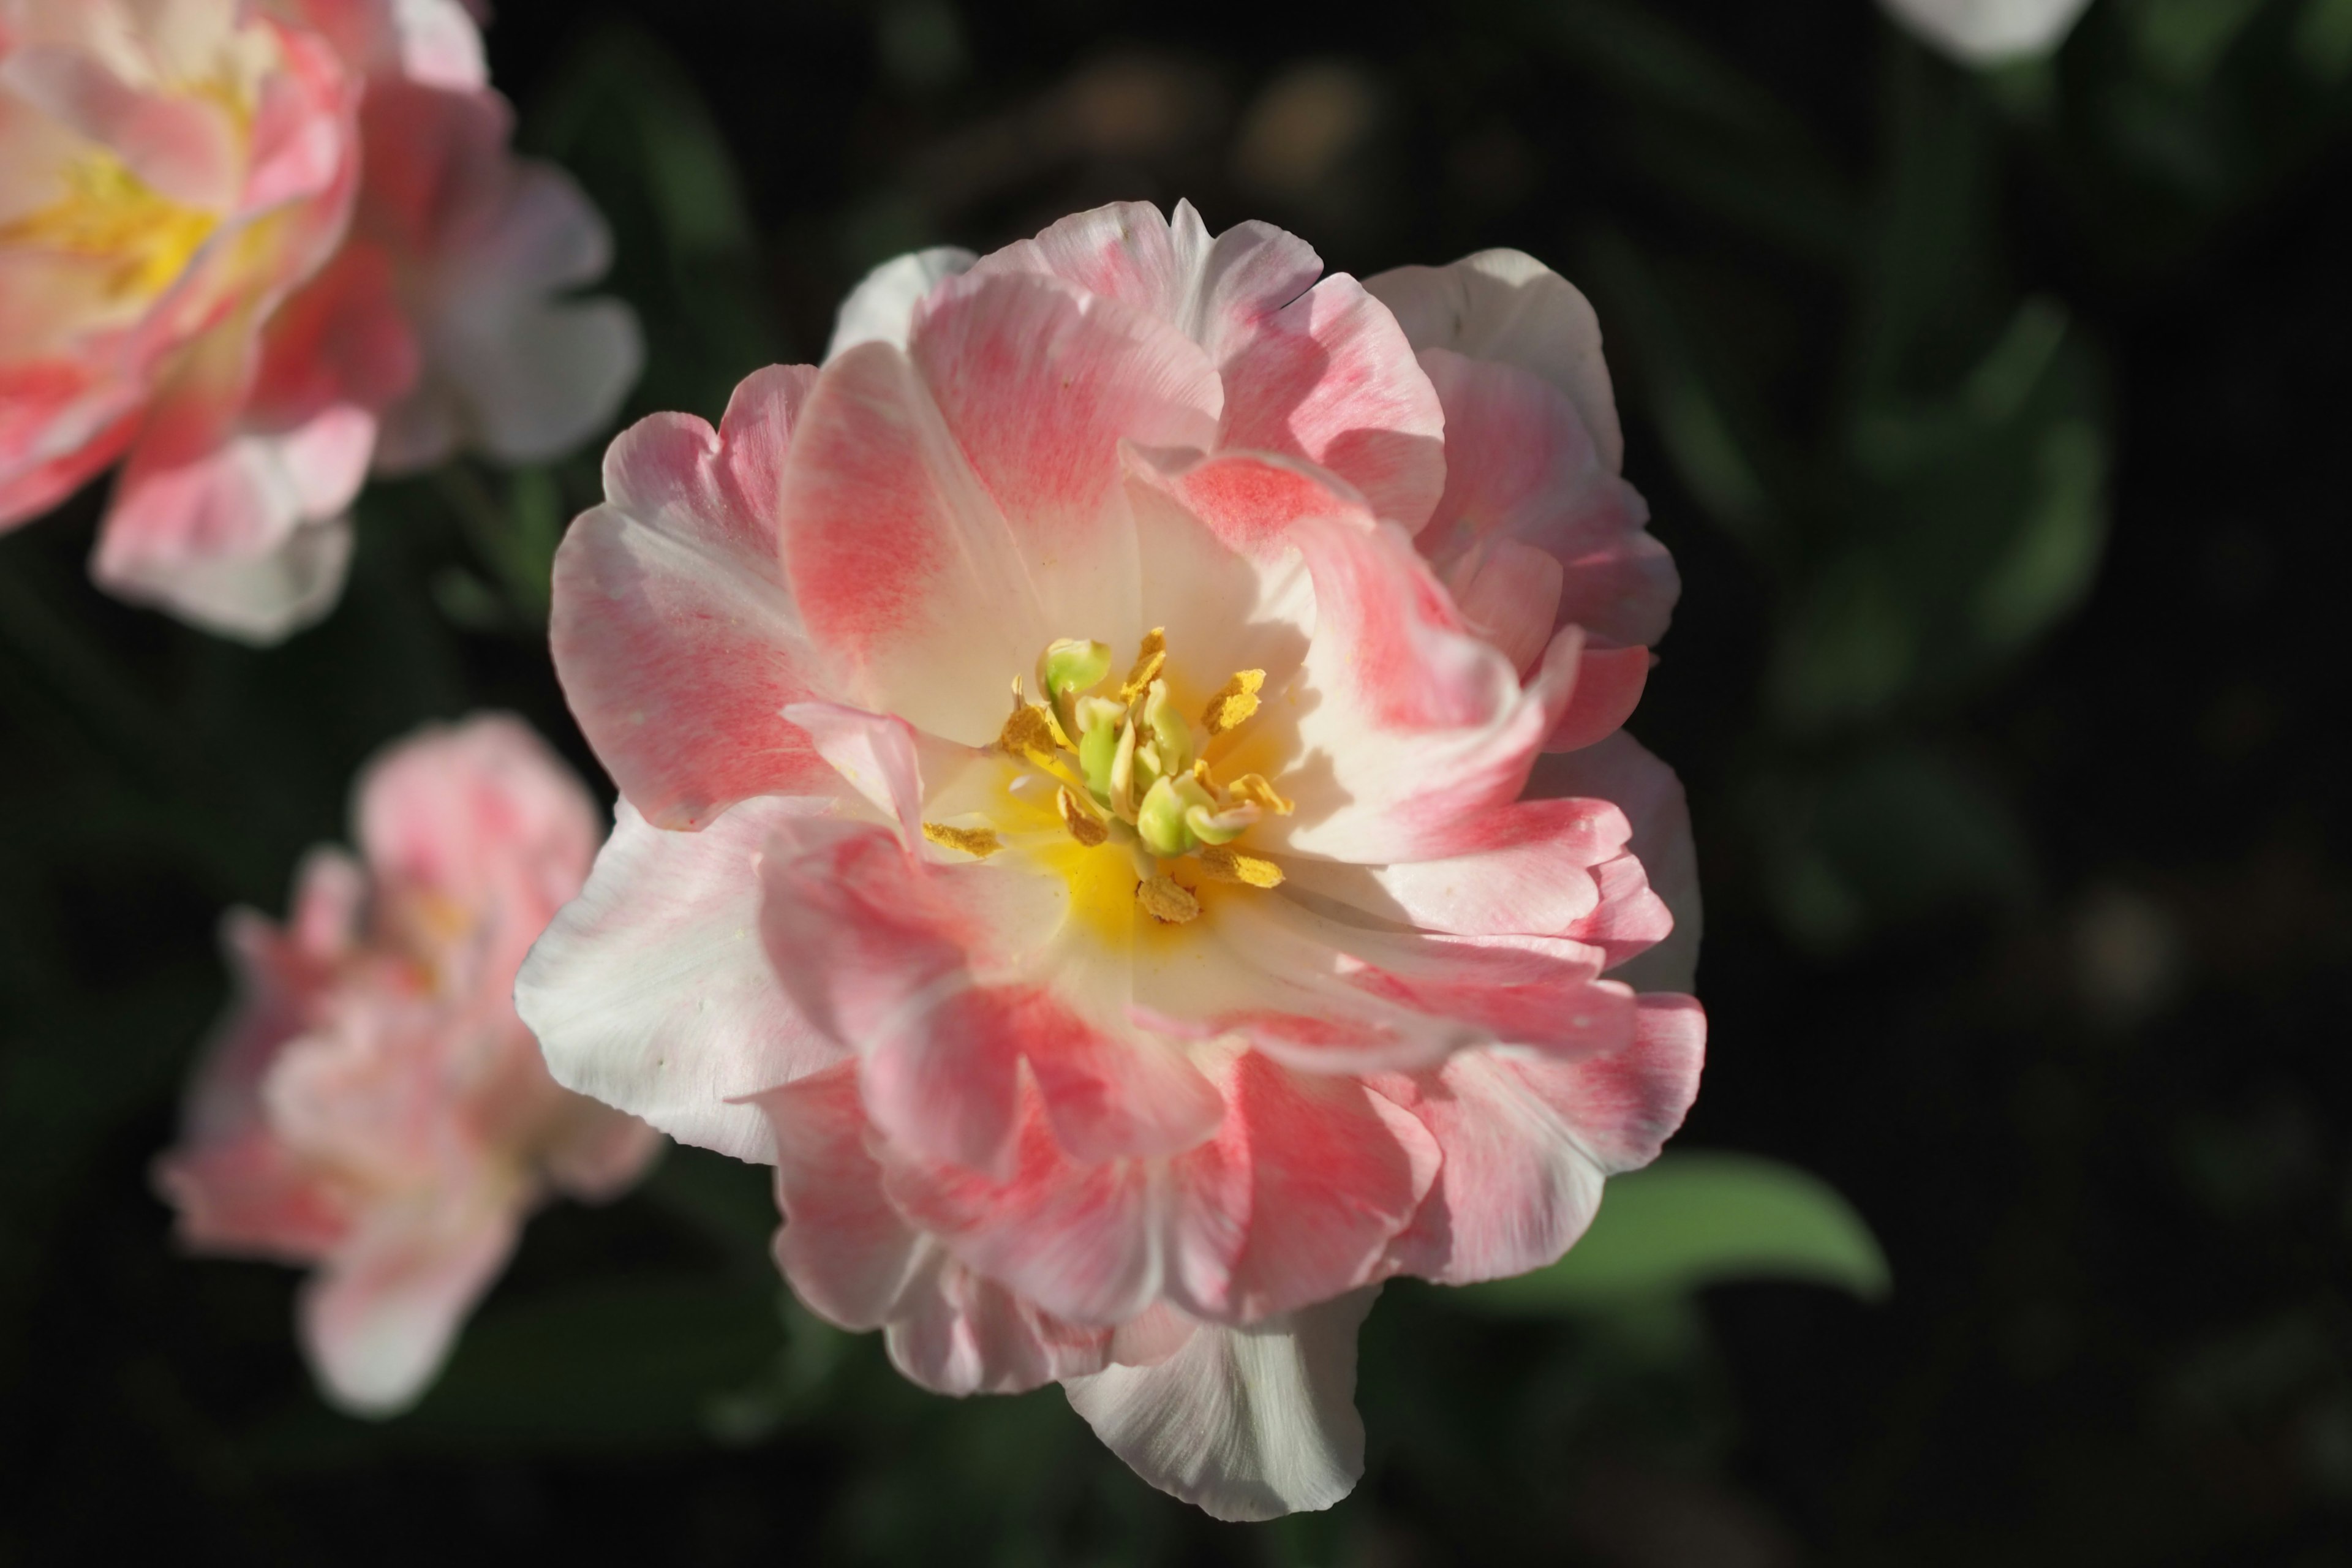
(254,248)
(374,1106)
(1075,752)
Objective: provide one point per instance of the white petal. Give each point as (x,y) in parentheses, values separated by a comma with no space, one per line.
(378,1320)
(1983,32)
(1246,1423)
(651,992)
(1506,305)
(881,309)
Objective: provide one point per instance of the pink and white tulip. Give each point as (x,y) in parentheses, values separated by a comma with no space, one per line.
(1075,751)
(252,248)
(374,1106)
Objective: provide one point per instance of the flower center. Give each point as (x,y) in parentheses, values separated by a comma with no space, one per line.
(1131,774)
(111,215)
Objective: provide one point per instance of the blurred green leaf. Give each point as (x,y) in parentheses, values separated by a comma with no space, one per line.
(1697,1219)
(2183,40)
(2323,39)
(1979,519)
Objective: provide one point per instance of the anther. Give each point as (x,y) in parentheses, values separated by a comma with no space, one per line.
(1167,900)
(1234,701)
(978,842)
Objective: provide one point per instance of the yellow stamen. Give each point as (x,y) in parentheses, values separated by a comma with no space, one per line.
(1080,818)
(1167,900)
(977,842)
(1234,701)
(1147,663)
(108,212)
(1227,864)
(1254,789)
(1031,735)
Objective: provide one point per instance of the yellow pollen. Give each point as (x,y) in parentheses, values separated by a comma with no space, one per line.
(1258,793)
(977,842)
(1234,701)
(1080,818)
(1227,864)
(1147,663)
(1031,735)
(108,212)
(1167,900)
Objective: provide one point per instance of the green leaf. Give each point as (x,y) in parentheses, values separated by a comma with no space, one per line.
(1978,522)
(1697,1219)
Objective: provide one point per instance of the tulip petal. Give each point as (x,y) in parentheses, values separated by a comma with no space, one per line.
(378,1321)
(909,578)
(1244,1423)
(1619,769)
(1040,384)
(881,309)
(650,991)
(1520,466)
(670,601)
(1528,1143)
(1506,306)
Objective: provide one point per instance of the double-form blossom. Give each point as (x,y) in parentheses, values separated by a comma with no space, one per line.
(373,1106)
(254,248)
(1075,752)
(1989,32)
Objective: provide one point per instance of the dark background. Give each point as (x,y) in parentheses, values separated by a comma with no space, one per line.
(1998,423)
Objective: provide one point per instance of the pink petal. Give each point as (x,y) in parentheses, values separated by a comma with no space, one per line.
(896,960)
(244,540)
(1620,771)
(491,242)
(1040,383)
(304,142)
(1520,466)
(1312,371)
(378,1321)
(1424,722)
(485,817)
(251,1196)
(1214,291)
(1085,1242)
(1609,683)
(651,993)
(339,339)
(961,1333)
(892,958)
(848,1254)
(1528,1143)
(1525,869)
(184,146)
(1244,1423)
(1329,997)
(908,576)
(670,601)
(1507,307)
(1330,378)
(1297,1197)
(857,1263)
(1511,593)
